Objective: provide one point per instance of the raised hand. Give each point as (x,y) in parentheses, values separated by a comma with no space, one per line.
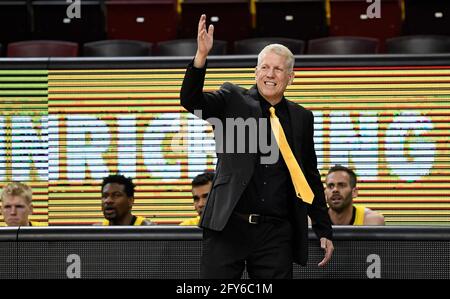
(204,42)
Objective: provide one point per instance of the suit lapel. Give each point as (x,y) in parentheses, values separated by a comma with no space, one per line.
(252,99)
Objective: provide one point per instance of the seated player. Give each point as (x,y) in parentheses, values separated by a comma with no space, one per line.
(339,192)
(201,185)
(118,200)
(17,205)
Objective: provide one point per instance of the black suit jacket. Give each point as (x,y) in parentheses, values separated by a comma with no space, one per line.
(234,170)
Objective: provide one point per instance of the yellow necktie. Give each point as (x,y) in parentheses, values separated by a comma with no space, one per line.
(302,189)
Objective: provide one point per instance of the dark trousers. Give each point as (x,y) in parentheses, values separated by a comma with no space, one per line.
(266,248)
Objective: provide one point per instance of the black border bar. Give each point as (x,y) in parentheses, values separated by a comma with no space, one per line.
(226,61)
(174,233)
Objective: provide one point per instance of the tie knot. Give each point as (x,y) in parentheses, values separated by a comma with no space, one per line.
(272,112)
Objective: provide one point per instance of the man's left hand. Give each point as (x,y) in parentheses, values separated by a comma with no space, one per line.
(327,245)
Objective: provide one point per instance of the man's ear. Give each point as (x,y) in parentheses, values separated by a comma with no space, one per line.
(131,201)
(355,192)
(291,77)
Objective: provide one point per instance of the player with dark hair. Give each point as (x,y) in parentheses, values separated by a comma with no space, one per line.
(117,202)
(201,185)
(340,190)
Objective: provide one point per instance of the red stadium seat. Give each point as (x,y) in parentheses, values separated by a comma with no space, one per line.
(112,48)
(350,18)
(343,45)
(418,44)
(42,48)
(145,20)
(52,22)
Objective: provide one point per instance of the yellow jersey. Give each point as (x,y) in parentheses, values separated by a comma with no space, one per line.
(137,221)
(31,223)
(35,223)
(358,215)
(191,222)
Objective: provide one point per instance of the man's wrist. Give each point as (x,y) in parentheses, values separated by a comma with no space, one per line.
(199,60)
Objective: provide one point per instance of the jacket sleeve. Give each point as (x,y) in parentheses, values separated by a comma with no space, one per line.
(194,100)
(317,211)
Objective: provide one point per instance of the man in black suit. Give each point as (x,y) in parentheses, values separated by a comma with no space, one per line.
(253,215)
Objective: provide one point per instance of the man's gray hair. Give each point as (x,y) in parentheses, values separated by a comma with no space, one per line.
(279,50)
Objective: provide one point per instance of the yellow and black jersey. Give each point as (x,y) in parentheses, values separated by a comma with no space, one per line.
(358,215)
(135,221)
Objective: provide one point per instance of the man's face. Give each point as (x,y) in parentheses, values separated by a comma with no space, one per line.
(338,192)
(200,194)
(16,211)
(273,76)
(115,202)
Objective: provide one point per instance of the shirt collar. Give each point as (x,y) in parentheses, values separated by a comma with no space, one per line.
(266,105)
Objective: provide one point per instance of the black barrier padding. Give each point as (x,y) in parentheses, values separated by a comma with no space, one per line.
(398,260)
(8,253)
(174,253)
(112,259)
(8,260)
(181,260)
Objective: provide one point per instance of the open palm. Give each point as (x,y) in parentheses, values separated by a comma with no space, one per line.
(204,37)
